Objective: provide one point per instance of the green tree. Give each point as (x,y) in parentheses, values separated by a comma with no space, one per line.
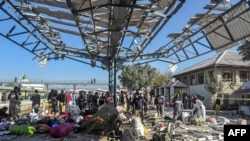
(213,84)
(160,79)
(137,76)
(244,50)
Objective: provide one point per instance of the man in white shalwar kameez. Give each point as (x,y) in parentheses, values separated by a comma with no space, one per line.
(199,110)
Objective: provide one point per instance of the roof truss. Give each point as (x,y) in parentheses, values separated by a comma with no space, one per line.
(121,29)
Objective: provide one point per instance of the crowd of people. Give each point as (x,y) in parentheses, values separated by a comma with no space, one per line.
(135,102)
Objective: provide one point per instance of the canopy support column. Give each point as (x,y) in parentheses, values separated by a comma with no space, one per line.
(112,79)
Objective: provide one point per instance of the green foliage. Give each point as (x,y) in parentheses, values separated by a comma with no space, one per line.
(137,76)
(160,79)
(244,50)
(213,85)
(181,92)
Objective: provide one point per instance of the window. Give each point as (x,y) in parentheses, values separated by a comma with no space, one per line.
(185,80)
(243,76)
(200,78)
(192,80)
(162,91)
(227,76)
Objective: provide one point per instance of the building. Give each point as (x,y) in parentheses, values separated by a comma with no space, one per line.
(226,67)
(171,88)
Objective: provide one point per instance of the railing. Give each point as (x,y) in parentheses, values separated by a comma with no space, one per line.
(26,106)
(60,84)
(35,81)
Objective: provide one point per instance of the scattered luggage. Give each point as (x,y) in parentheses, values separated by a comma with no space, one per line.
(61,130)
(22,129)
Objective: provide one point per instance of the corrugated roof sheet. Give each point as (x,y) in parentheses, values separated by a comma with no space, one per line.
(223,34)
(177,83)
(226,58)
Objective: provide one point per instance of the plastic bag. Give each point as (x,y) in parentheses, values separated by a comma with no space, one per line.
(4,124)
(61,130)
(138,127)
(22,129)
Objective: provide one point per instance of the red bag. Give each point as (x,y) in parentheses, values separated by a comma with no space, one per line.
(87,117)
(65,115)
(61,130)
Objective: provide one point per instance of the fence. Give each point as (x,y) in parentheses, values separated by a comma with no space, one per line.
(26,106)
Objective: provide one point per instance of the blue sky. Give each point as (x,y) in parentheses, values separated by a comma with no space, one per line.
(15,61)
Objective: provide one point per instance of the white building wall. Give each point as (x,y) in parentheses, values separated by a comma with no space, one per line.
(200,90)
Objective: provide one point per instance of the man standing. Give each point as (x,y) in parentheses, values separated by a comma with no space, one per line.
(217,105)
(82,102)
(137,104)
(14,103)
(69,99)
(52,101)
(62,101)
(74,98)
(159,101)
(177,109)
(95,99)
(102,99)
(4,99)
(185,102)
(35,98)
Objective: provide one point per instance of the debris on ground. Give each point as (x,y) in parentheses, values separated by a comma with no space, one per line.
(108,123)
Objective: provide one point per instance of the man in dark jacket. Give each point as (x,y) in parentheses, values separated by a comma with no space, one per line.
(137,104)
(52,101)
(35,98)
(217,105)
(62,101)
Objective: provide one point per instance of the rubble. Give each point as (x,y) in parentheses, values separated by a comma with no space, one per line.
(210,130)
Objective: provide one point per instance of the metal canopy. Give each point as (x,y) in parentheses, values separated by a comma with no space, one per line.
(223,26)
(120,29)
(102,25)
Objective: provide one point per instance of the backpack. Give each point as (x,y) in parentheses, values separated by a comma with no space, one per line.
(160,100)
